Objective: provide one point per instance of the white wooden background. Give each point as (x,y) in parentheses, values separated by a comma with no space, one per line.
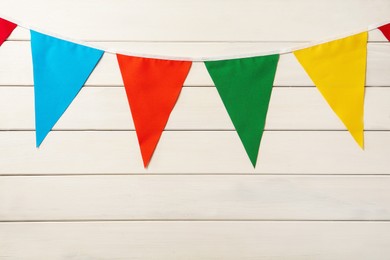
(84,193)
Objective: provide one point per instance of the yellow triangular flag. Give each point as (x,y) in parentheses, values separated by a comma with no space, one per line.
(338,69)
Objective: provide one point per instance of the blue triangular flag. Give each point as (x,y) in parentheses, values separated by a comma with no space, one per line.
(60,70)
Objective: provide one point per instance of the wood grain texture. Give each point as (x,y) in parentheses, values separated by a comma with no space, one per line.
(186,152)
(201,197)
(85,195)
(196,240)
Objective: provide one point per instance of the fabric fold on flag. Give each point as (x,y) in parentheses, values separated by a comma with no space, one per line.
(152,87)
(338,69)
(245,87)
(6,28)
(60,70)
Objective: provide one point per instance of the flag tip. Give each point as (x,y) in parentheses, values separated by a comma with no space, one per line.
(254,162)
(146,162)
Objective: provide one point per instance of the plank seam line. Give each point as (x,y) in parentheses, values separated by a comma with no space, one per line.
(184,86)
(192,220)
(146,174)
(187,41)
(192,130)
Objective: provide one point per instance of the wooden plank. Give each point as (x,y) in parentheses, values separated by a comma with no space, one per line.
(16,66)
(179,197)
(230,20)
(196,240)
(108,216)
(23,34)
(198,108)
(185,152)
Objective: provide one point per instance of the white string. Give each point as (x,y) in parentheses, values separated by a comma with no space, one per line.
(197,59)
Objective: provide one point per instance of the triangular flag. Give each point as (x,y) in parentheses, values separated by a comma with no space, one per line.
(6,28)
(385,29)
(338,69)
(245,87)
(152,87)
(60,70)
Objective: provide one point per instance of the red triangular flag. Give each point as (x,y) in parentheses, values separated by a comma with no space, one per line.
(385,29)
(152,88)
(6,28)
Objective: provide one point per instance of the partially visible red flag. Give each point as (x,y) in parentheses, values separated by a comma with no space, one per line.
(152,87)
(385,29)
(6,28)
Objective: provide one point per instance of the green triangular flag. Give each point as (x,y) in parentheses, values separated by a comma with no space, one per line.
(245,87)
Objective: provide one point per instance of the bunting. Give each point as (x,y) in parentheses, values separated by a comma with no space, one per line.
(245,87)
(385,29)
(153,85)
(6,28)
(338,69)
(60,70)
(152,88)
